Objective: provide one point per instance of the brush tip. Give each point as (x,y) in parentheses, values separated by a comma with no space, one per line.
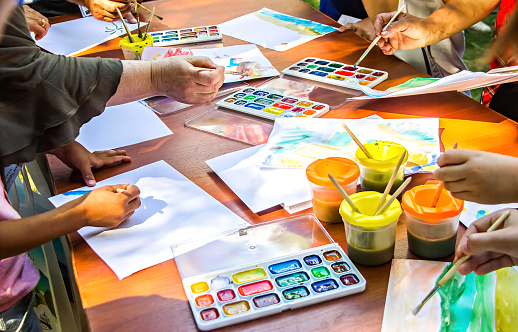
(417,309)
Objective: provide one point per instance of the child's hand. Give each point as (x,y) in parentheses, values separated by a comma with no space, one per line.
(479,176)
(108,206)
(490,251)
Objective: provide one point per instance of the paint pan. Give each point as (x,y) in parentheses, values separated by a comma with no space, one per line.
(336,73)
(263,270)
(186,35)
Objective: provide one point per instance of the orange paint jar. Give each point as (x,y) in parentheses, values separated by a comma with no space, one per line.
(326,198)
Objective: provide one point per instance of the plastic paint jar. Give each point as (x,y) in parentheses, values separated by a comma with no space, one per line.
(133,51)
(376,172)
(325,197)
(370,239)
(432,231)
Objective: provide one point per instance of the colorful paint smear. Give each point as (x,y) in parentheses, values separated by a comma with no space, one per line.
(465,303)
(302,26)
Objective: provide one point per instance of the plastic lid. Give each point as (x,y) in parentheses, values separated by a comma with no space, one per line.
(385,154)
(343,170)
(367,202)
(418,202)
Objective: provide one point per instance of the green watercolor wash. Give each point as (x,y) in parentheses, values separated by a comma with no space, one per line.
(483,309)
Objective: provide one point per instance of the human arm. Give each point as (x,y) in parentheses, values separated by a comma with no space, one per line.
(37,23)
(170,77)
(489,251)
(102,207)
(105,10)
(410,32)
(479,176)
(75,156)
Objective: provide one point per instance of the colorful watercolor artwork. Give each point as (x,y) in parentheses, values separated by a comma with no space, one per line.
(75,36)
(465,303)
(274,30)
(473,211)
(296,142)
(241,62)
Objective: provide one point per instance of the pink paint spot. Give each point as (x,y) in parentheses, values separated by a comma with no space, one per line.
(177,51)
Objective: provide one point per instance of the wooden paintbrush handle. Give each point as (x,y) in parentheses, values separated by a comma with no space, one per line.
(452,271)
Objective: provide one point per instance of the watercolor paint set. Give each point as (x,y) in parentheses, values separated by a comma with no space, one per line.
(186,35)
(262,270)
(336,73)
(271,105)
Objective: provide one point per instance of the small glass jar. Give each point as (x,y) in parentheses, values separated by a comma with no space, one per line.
(370,239)
(325,197)
(376,172)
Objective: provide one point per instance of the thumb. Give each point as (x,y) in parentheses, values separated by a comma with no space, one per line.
(88,176)
(345,27)
(497,241)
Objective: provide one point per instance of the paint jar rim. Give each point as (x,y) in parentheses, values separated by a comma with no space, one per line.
(415,201)
(367,202)
(345,171)
(138,45)
(385,155)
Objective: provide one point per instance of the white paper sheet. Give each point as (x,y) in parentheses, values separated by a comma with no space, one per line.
(236,60)
(260,189)
(473,211)
(72,37)
(122,125)
(173,210)
(274,30)
(462,81)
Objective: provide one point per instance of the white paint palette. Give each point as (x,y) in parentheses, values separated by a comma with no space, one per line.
(263,270)
(336,73)
(186,35)
(270,105)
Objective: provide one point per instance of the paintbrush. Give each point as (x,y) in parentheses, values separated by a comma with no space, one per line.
(152,14)
(149,23)
(376,40)
(344,194)
(360,145)
(393,197)
(455,267)
(391,181)
(125,26)
(138,18)
(201,69)
(440,187)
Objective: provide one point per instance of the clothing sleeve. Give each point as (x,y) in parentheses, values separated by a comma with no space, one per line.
(45,98)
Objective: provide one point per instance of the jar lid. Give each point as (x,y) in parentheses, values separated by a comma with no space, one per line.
(418,202)
(367,202)
(343,170)
(384,154)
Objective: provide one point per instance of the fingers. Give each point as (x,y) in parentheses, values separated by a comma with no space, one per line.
(347,26)
(454,157)
(202,62)
(86,172)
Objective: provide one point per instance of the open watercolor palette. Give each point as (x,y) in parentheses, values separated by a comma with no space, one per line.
(336,73)
(271,105)
(186,35)
(263,270)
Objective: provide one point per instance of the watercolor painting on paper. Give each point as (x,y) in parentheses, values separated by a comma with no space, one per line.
(473,211)
(465,303)
(274,30)
(297,142)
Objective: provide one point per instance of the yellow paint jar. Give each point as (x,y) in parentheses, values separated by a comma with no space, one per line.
(370,239)
(325,197)
(133,51)
(376,172)
(431,231)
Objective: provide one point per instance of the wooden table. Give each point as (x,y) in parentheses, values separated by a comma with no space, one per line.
(153,299)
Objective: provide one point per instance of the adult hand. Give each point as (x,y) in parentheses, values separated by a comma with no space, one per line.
(109,206)
(405,33)
(490,251)
(105,10)
(479,176)
(174,77)
(37,23)
(363,28)
(74,155)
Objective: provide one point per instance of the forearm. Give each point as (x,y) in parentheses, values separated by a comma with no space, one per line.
(455,16)
(135,83)
(20,235)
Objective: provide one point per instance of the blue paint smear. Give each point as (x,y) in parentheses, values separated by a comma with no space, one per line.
(317,27)
(76,192)
(340,139)
(480,214)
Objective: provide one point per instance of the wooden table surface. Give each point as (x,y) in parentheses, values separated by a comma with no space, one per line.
(153,299)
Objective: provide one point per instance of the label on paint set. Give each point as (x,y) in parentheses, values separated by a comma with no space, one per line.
(271,105)
(186,35)
(229,296)
(336,73)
